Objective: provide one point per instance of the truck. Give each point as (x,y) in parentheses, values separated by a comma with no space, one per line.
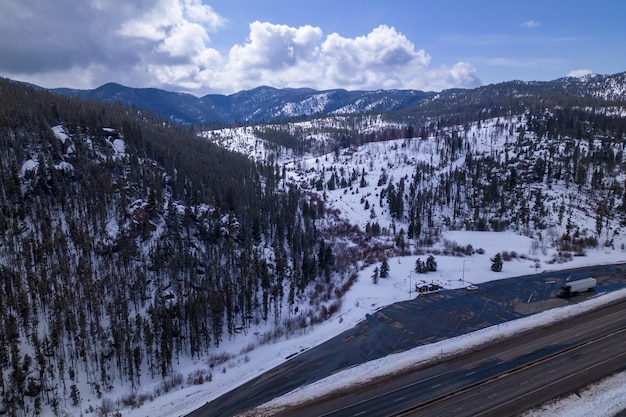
(576,287)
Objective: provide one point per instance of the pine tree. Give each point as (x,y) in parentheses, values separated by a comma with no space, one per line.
(431,264)
(363,183)
(375,276)
(75,395)
(496,263)
(384,269)
(420,266)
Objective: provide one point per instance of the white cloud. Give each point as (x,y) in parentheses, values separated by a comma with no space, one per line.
(530,24)
(202,13)
(273,47)
(282,56)
(184,40)
(579,73)
(382,59)
(156,24)
(175,40)
(460,74)
(168,44)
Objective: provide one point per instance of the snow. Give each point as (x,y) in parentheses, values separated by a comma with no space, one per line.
(366,298)
(311,105)
(397,159)
(118,146)
(60,133)
(64,166)
(601,399)
(244,140)
(28,165)
(112,229)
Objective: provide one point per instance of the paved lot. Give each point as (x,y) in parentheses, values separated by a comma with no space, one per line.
(406,325)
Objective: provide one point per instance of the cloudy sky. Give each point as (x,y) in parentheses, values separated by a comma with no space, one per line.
(224,46)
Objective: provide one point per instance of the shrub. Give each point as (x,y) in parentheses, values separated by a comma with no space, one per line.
(106,407)
(168,383)
(196,377)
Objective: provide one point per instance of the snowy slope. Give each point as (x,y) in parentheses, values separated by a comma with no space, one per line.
(396,159)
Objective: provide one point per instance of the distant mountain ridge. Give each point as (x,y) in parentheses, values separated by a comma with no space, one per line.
(271,104)
(258,104)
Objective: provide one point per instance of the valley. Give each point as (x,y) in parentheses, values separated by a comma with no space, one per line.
(149,267)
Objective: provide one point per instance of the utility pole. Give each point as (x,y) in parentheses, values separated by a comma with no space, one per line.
(463,276)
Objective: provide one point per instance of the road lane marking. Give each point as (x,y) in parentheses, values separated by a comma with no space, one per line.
(436,386)
(470,373)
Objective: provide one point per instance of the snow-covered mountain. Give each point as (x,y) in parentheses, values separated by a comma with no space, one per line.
(262,103)
(508,173)
(271,104)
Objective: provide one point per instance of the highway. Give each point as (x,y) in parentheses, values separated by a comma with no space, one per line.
(498,380)
(420,321)
(534,383)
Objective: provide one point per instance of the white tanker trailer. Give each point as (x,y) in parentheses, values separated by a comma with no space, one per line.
(575,287)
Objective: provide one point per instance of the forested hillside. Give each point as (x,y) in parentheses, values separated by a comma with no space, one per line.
(130,245)
(546,162)
(127,243)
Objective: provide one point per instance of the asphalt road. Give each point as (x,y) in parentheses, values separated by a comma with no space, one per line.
(406,325)
(499,380)
(536,383)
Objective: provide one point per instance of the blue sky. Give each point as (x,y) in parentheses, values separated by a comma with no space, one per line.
(223,46)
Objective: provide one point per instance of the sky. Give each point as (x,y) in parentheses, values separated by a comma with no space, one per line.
(225,46)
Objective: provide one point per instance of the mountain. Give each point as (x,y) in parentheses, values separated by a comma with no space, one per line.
(271,104)
(517,97)
(267,104)
(179,107)
(262,103)
(127,244)
(138,256)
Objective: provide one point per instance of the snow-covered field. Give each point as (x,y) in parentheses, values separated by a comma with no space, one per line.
(366,297)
